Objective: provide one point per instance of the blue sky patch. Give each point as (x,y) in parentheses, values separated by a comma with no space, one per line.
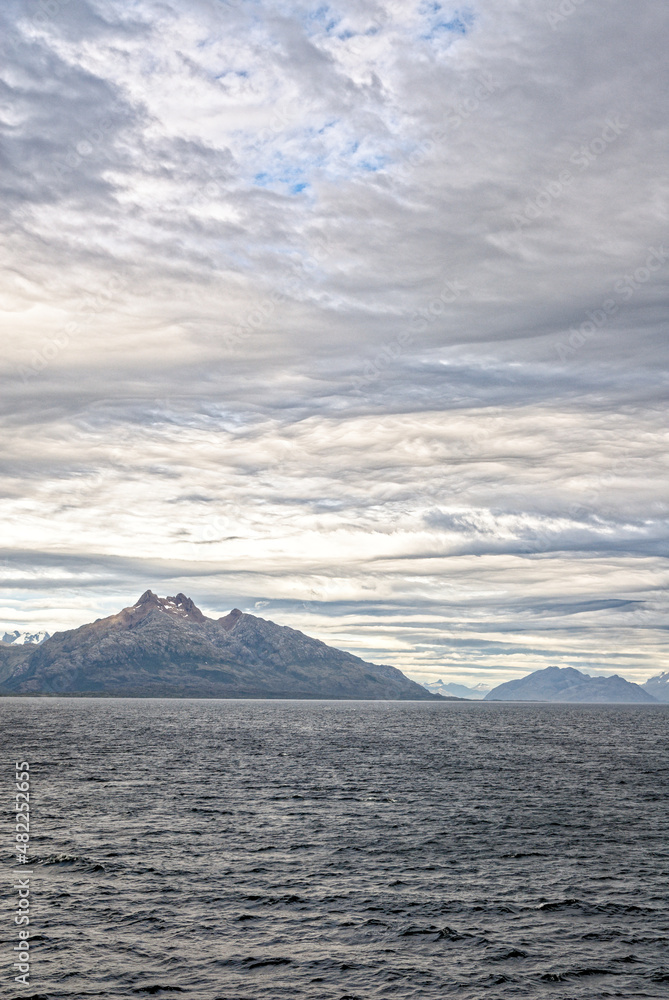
(443,22)
(284,178)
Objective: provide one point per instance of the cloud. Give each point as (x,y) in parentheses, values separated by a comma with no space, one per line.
(355,310)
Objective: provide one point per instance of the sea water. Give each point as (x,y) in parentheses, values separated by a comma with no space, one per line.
(340,850)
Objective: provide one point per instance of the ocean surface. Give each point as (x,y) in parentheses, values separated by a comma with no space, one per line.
(328,850)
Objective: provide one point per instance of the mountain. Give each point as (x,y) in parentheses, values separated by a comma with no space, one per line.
(451,690)
(658,686)
(570,685)
(17,638)
(167,647)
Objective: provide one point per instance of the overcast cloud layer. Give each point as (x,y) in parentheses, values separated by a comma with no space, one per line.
(352,315)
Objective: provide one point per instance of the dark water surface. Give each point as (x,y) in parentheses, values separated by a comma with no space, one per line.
(329,850)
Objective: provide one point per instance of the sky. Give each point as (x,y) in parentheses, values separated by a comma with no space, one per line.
(352,315)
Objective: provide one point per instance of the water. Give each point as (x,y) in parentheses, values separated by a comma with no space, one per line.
(328,850)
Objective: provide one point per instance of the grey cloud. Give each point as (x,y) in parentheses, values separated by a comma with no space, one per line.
(379,393)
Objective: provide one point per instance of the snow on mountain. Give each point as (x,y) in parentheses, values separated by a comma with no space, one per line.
(17,638)
(456,690)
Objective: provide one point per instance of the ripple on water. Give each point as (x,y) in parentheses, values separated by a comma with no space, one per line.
(345,851)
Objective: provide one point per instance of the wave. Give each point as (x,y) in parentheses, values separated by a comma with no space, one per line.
(79,862)
(593,908)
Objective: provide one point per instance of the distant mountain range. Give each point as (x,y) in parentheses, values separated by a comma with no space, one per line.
(658,686)
(17,638)
(565,684)
(450,689)
(167,647)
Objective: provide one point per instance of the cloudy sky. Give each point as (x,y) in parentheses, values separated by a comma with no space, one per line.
(349,314)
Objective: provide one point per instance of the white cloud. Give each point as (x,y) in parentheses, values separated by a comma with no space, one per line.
(300,309)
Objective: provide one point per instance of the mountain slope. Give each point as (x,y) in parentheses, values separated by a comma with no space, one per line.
(658,686)
(167,647)
(11,659)
(569,685)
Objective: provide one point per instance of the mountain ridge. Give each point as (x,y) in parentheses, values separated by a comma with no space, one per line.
(566,684)
(17,638)
(166,647)
(453,690)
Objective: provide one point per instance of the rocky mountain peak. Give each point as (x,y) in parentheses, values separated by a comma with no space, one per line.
(180,605)
(148,597)
(166,647)
(187,606)
(230,620)
(17,638)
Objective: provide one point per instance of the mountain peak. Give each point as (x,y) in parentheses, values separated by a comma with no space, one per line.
(148,597)
(180,605)
(230,620)
(166,647)
(187,606)
(567,684)
(658,686)
(17,638)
